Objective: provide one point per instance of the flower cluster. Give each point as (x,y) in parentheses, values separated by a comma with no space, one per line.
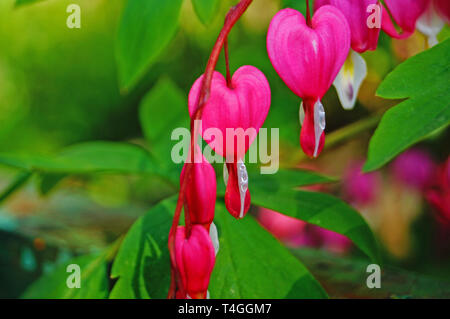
(242,103)
(309,54)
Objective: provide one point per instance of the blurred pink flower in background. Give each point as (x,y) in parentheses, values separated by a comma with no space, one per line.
(414,168)
(438,195)
(297,233)
(360,188)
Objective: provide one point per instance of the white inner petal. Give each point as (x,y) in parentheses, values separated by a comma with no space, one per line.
(430,24)
(225,174)
(349,79)
(243,184)
(301,114)
(319,124)
(213,233)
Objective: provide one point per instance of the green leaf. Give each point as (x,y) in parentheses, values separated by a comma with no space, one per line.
(253,264)
(86,157)
(206,9)
(424,79)
(146,28)
(161,111)
(265,268)
(142,264)
(277,193)
(94,281)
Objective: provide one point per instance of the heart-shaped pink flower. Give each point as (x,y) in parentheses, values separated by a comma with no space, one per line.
(308,58)
(364,19)
(231,120)
(243,106)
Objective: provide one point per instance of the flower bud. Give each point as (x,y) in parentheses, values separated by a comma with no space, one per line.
(195,258)
(200,192)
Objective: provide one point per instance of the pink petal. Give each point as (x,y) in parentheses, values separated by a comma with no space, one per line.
(363,38)
(200,192)
(405,13)
(243,106)
(195,258)
(308,59)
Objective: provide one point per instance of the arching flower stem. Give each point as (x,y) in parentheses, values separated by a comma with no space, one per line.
(232,17)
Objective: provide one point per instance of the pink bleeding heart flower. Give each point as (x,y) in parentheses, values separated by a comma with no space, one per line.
(405,14)
(195,258)
(433,20)
(200,192)
(231,120)
(364,19)
(243,106)
(308,60)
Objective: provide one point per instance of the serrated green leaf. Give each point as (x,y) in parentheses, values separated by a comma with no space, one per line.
(206,9)
(142,265)
(253,264)
(278,193)
(145,30)
(424,79)
(266,268)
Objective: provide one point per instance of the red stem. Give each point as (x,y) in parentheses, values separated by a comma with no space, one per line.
(232,17)
(227,63)
(308,15)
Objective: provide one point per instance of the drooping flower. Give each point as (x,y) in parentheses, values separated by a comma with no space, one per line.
(414,168)
(405,13)
(432,21)
(231,120)
(195,258)
(308,58)
(364,19)
(200,192)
